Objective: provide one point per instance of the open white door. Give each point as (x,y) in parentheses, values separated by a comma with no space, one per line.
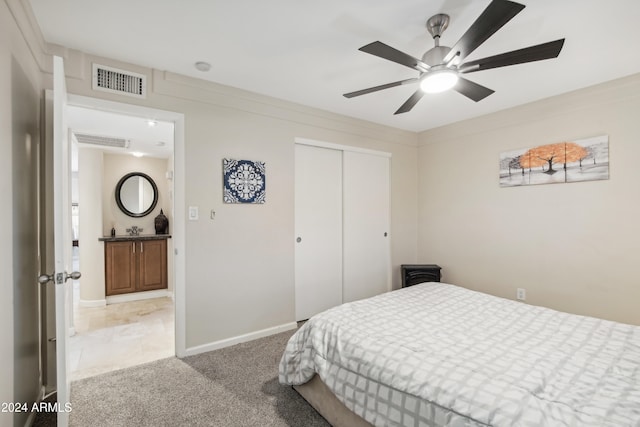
(62,239)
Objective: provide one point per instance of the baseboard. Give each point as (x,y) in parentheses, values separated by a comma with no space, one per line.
(216,345)
(137,296)
(90,303)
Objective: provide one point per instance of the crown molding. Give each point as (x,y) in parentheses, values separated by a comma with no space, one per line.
(31,33)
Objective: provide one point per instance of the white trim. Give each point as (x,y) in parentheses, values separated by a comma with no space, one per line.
(330,145)
(138,296)
(179,233)
(123,108)
(91,303)
(179,229)
(216,345)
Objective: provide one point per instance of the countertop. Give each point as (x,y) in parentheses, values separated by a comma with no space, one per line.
(123,238)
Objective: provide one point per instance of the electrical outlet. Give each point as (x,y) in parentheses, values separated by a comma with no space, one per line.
(521,294)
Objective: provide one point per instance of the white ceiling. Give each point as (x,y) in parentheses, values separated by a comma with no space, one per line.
(152,138)
(307,52)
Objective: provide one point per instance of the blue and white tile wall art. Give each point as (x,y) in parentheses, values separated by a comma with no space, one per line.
(244,181)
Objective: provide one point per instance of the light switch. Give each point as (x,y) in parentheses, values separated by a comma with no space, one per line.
(193,213)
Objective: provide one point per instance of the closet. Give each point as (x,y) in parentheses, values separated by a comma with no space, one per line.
(342,248)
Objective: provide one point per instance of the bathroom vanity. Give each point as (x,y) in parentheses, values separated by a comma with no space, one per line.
(135,263)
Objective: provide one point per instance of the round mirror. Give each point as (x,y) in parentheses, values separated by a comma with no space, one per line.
(136,194)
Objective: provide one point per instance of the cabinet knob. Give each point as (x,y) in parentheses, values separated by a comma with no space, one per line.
(385,234)
(299,239)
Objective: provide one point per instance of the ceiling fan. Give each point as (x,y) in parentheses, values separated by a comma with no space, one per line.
(441,67)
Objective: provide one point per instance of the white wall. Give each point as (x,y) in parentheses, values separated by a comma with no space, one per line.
(115,167)
(574,247)
(91,251)
(239,267)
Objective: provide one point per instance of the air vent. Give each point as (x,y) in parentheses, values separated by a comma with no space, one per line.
(109,79)
(104,141)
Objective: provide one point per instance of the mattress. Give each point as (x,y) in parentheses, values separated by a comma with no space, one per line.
(436,354)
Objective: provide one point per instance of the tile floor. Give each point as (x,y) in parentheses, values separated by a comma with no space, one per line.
(120,335)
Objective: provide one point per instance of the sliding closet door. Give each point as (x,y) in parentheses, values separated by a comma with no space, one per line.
(366,222)
(318,227)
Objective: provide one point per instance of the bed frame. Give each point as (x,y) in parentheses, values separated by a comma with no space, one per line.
(318,395)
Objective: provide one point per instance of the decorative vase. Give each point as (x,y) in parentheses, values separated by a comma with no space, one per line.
(161,223)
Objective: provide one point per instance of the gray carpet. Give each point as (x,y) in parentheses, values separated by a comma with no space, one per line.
(235,386)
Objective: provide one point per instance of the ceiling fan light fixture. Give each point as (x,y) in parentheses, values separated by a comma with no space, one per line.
(441,66)
(439,81)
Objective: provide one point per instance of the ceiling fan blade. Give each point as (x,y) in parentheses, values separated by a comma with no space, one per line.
(528,54)
(389,53)
(472,90)
(498,13)
(411,102)
(381,87)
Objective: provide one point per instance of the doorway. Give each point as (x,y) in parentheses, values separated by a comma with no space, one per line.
(110,323)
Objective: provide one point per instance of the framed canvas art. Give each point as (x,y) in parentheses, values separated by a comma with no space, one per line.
(244,181)
(570,161)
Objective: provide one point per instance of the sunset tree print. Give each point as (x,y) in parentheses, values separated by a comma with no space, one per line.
(569,161)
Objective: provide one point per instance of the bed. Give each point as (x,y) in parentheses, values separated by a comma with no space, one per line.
(436,354)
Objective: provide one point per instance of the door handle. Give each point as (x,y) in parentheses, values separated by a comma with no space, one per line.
(74,275)
(45,278)
(58,278)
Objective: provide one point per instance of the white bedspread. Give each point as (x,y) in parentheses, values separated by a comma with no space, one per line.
(439,355)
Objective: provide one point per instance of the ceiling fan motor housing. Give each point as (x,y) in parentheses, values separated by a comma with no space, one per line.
(436,26)
(435,56)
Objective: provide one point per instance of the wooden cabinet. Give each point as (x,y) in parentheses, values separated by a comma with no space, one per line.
(120,267)
(412,274)
(135,265)
(152,265)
